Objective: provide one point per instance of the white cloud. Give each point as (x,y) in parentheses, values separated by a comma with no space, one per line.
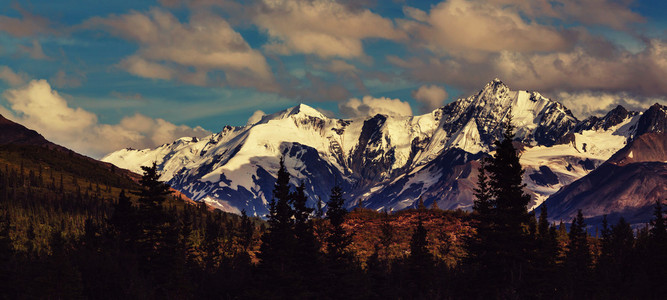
(139,66)
(12,78)
(370,106)
(580,69)
(586,103)
(611,13)
(41,108)
(473,29)
(169,49)
(256,117)
(321,27)
(340,66)
(430,96)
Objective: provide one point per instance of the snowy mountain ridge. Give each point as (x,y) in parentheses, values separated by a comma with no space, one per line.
(386,161)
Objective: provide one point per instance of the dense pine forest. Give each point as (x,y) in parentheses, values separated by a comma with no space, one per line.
(69,230)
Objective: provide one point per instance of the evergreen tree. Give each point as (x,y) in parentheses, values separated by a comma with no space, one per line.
(279,241)
(302,212)
(420,203)
(157,242)
(247,231)
(152,217)
(377,274)
(319,210)
(153,192)
(276,254)
(420,264)
(482,203)
(338,240)
(578,259)
(340,269)
(63,280)
(419,254)
(211,243)
(124,221)
(658,232)
(542,281)
(505,180)
(622,258)
(306,253)
(7,274)
(657,252)
(502,247)
(387,233)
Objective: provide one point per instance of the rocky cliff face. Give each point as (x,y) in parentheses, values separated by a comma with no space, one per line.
(386,162)
(628,184)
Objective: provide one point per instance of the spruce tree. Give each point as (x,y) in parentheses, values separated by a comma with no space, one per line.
(339,257)
(658,231)
(278,243)
(151,215)
(338,240)
(622,257)
(544,265)
(246,231)
(302,212)
(578,259)
(319,210)
(7,276)
(420,264)
(277,259)
(482,203)
(657,252)
(419,254)
(306,252)
(505,179)
(124,222)
(387,234)
(157,242)
(502,249)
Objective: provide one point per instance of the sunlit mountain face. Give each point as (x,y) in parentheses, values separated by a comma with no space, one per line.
(333,149)
(390,163)
(143,73)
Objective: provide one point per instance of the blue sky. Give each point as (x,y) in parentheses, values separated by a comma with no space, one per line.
(101,76)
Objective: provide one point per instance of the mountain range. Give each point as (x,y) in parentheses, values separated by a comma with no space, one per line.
(386,162)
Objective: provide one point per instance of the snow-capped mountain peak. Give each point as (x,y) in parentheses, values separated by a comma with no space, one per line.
(301,111)
(388,160)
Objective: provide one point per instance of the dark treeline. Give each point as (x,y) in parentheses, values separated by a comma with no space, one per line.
(143,246)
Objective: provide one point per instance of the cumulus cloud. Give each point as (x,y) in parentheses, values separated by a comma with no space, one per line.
(322,27)
(641,74)
(169,49)
(338,66)
(141,67)
(12,78)
(27,25)
(39,107)
(473,29)
(585,104)
(430,96)
(370,106)
(255,117)
(611,13)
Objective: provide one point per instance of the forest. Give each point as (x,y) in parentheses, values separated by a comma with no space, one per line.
(69,230)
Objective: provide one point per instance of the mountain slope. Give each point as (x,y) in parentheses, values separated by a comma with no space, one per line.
(628,184)
(387,162)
